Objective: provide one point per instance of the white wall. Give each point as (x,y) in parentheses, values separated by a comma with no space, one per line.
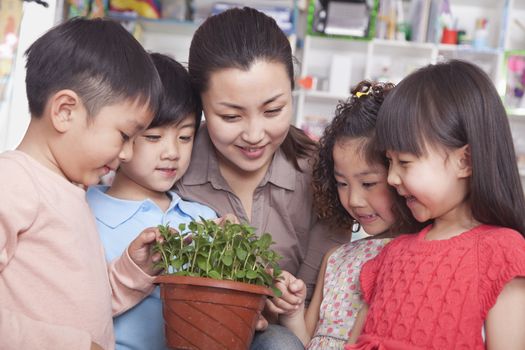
(14,116)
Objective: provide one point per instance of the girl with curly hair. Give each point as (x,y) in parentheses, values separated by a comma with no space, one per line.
(350,189)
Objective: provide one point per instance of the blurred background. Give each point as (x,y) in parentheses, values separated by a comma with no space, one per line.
(336,43)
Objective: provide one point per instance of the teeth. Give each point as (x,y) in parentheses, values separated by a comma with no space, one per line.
(368,216)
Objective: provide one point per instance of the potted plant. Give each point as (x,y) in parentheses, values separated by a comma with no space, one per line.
(215,282)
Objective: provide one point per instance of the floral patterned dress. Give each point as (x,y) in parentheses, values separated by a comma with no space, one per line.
(342,297)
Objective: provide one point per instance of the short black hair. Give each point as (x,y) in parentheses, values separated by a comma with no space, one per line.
(179,98)
(97,59)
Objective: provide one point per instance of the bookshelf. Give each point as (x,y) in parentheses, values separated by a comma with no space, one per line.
(173,36)
(390,60)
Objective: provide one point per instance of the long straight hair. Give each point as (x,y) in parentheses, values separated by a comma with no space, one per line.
(451,105)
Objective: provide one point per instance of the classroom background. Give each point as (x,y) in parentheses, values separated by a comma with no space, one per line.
(336,43)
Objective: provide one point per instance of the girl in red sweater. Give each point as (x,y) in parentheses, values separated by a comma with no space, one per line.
(448,141)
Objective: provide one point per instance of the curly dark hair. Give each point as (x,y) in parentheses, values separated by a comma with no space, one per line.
(354,118)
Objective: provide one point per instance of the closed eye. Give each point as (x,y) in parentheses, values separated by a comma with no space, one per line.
(229,118)
(186,138)
(152,138)
(273,112)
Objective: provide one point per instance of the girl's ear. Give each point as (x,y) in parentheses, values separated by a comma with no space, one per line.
(464,161)
(65,104)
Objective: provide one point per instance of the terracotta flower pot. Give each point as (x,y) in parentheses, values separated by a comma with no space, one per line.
(204,313)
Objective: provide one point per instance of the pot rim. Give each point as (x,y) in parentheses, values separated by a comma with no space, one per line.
(210,282)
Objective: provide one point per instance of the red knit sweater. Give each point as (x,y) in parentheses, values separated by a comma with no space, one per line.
(436,294)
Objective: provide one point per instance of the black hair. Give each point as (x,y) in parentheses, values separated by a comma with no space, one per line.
(97,59)
(451,105)
(238,38)
(354,118)
(179,99)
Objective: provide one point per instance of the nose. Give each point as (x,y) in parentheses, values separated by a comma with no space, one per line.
(355,198)
(393,178)
(170,150)
(254,130)
(127,151)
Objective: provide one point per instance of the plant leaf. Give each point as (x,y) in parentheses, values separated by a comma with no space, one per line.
(251,275)
(277,292)
(241,253)
(227,259)
(214,274)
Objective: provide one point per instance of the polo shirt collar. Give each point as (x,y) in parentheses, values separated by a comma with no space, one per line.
(113,211)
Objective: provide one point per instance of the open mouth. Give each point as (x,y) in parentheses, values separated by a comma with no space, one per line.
(252,152)
(168,171)
(366,219)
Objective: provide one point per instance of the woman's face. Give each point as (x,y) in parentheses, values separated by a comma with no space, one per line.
(248,114)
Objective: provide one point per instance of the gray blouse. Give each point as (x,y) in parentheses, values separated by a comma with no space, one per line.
(282,206)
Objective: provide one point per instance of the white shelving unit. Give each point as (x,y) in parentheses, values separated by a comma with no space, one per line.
(170,37)
(388,60)
(173,37)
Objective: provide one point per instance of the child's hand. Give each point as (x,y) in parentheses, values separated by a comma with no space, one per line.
(228,217)
(141,252)
(292,299)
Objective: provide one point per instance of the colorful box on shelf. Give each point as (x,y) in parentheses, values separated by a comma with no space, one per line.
(352,19)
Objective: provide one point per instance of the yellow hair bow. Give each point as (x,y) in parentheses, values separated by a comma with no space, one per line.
(359,93)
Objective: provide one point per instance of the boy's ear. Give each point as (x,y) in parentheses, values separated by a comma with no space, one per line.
(64,105)
(464,161)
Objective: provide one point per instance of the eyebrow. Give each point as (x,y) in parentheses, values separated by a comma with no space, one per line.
(364,173)
(190,124)
(232,105)
(139,127)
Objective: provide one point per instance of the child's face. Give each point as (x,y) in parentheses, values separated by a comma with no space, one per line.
(97,144)
(362,188)
(161,156)
(248,114)
(433,184)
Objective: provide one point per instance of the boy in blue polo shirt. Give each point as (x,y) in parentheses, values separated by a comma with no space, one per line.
(140,195)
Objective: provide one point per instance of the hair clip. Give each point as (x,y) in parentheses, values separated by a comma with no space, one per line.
(359,93)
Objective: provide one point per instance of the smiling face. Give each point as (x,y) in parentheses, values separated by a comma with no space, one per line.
(435,185)
(362,187)
(93,146)
(248,114)
(161,155)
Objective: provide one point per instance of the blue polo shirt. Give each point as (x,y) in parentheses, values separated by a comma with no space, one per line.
(119,222)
